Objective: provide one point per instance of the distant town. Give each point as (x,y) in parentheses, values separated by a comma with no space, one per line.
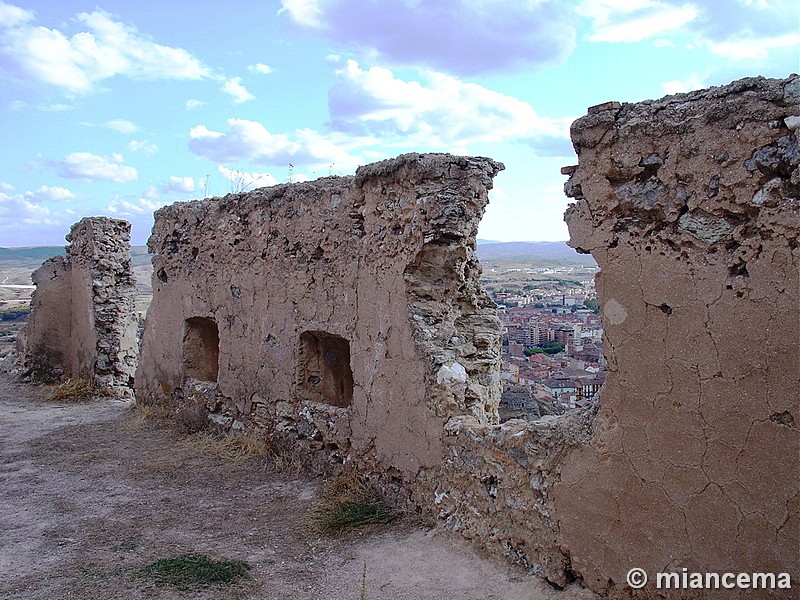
(552,335)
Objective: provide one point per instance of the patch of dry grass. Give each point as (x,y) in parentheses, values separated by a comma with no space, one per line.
(349,502)
(76,389)
(237,447)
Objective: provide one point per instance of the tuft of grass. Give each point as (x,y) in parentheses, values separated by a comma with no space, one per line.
(349,502)
(227,446)
(75,389)
(193,570)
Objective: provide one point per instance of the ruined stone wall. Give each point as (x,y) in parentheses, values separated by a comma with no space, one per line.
(82,320)
(690,206)
(262,299)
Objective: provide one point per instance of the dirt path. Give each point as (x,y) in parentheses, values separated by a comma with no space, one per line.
(90,493)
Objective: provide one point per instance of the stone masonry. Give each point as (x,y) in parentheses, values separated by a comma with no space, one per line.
(82,320)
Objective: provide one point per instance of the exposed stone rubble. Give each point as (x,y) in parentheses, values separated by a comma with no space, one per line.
(342,317)
(82,320)
(690,206)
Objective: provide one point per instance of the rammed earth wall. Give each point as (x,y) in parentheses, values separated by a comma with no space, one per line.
(690,206)
(83,320)
(344,318)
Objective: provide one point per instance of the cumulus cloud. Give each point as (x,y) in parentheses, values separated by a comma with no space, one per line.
(26,219)
(633,20)
(260,68)
(132,208)
(234,88)
(441,112)
(250,140)
(91,167)
(106,48)
(178,185)
(12,16)
(464,37)
(54,193)
(738,29)
(193,103)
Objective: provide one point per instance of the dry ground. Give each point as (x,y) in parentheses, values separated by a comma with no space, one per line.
(90,493)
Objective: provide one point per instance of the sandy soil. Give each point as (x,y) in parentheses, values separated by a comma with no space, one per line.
(90,493)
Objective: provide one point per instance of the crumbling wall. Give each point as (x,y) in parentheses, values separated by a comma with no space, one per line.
(690,206)
(82,320)
(380,266)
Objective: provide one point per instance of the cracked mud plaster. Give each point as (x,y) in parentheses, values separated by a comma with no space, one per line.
(83,321)
(690,206)
(294,277)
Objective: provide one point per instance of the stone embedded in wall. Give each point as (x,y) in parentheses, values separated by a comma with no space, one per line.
(82,320)
(335,305)
(690,206)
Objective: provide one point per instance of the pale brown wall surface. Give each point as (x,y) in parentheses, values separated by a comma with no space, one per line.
(82,320)
(384,260)
(690,206)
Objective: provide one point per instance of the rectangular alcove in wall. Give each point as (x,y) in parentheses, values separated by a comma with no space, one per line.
(323,369)
(201,349)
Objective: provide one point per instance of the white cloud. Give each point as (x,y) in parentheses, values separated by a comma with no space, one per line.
(12,16)
(91,167)
(260,68)
(55,193)
(466,37)
(754,49)
(120,125)
(178,185)
(694,82)
(243,181)
(250,140)
(21,212)
(145,146)
(234,88)
(634,20)
(303,12)
(141,206)
(79,63)
(442,112)
(6,187)
(193,103)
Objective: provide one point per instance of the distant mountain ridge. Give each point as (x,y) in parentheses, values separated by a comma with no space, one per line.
(558,251)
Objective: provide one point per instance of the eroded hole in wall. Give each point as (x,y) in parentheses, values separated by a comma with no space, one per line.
(201,349)
(323,369)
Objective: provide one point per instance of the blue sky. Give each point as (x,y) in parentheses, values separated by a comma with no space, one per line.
(112,107)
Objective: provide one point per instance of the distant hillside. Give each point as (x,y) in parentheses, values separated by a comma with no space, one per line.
(539,251)
(35,255)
